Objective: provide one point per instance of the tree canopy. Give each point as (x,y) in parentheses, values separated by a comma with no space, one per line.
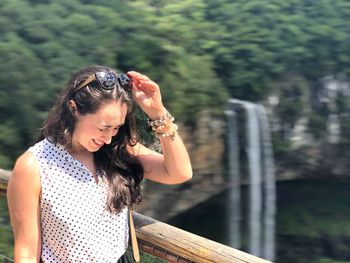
(200,52)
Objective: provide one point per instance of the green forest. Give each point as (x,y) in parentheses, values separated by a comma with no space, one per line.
(200,52)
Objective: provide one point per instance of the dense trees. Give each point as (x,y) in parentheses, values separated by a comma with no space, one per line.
(199,51)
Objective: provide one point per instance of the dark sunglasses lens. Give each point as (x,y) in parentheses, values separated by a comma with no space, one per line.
(107,80)
(125,82)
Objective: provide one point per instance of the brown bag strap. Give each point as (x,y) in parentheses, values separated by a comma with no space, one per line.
(134,244)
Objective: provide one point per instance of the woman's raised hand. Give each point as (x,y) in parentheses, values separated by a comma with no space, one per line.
(147,95)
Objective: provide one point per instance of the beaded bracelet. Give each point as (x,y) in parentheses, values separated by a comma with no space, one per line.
(165,121)
(161,122)
(168,134)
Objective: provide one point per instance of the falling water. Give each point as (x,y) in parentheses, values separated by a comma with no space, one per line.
(235,193)
(255,202)
(261,221)
(270,187)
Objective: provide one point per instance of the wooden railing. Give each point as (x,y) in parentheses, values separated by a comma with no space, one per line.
(173,244)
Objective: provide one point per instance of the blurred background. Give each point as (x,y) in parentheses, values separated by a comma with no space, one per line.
(260,90)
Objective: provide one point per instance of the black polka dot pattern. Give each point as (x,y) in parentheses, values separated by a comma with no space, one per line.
(75,225)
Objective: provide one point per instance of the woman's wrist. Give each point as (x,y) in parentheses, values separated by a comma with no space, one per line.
(158,114)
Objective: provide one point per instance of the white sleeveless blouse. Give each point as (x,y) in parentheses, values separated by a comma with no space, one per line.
(75,225)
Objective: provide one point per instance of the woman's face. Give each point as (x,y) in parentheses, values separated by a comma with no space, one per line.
(92,131)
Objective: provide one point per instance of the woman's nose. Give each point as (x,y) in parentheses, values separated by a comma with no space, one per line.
(107,138)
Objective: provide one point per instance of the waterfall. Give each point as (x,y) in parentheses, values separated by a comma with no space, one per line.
(270,187)
(262,192)
(255,202)
(234,204)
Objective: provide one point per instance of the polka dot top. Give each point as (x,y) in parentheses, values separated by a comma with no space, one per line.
(75,225)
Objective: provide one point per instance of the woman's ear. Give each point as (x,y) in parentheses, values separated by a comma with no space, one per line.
(73,107)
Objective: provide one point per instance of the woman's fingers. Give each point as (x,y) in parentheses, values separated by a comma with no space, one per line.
(147,94)
(148,85)
(133,73)
(143,82)
(135,76)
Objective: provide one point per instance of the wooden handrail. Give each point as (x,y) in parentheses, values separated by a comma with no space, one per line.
(189,246)
(173,244)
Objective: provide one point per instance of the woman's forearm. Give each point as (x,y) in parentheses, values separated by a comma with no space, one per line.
(176,158)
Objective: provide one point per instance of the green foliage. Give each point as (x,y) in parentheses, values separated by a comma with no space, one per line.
(317,125)
(345,128)
(293,96)
(280,145)
(260,40)
(6,237)
(315,222)
(20,78)
(150,259)
(200,52)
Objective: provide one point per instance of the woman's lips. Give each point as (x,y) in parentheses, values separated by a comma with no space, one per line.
(98,144)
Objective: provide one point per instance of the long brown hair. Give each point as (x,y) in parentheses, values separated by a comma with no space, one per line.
(113,161)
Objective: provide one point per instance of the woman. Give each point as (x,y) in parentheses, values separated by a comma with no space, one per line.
(69,194)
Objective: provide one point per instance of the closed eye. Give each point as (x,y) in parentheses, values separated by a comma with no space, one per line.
(105,129)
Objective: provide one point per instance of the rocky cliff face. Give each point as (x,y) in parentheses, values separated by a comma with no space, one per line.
(205,144)
(322,162)
(307,158)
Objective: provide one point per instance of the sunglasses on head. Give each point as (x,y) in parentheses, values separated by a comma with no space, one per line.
(108,80)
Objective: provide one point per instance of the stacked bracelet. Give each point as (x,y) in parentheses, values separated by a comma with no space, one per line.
(168,134)
(164,122)
(161,122)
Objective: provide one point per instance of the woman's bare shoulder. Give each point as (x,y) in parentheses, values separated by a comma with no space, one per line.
(26,161)
(26,168)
